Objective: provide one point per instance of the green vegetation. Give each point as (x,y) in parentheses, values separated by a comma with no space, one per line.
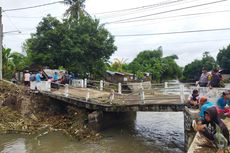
(12,62)
(223,58)
(82,45)
(193,70)
(153,62)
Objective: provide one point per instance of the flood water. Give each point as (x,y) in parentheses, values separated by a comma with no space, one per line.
(151,132)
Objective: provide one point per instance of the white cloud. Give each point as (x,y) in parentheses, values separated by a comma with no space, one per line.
(188,46)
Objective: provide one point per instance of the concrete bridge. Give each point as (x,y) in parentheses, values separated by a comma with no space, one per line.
(113,102)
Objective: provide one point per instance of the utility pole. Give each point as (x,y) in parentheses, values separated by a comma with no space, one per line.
(1,37)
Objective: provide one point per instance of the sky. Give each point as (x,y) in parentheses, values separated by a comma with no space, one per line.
(162,17)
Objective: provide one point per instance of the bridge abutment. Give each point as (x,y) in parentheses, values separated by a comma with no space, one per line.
(99,120)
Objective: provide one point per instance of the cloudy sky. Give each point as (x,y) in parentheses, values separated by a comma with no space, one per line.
(162,16)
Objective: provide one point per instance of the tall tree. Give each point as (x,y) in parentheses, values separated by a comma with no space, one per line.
(118,65)
(193,70)
(76,9)
(82,46)
(152,61)
(223,57)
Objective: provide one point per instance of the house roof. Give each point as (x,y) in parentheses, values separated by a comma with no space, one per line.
(117,73)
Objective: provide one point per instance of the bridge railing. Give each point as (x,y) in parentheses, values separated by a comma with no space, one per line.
(142,91)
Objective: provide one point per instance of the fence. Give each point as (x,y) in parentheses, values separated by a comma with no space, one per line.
(142,91)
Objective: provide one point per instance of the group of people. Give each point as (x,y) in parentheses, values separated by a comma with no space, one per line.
(209,121)
(214,79)
(61,78)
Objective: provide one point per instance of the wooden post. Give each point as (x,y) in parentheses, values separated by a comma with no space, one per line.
(87,95)
(142,95)
(182,93)
(119,88)
(85,83)
(166,84)
(66,90)
(111,97)
(101,85)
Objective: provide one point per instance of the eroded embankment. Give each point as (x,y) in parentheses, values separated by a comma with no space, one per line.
(25,112)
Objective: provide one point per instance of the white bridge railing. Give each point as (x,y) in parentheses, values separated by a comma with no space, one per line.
(144,89)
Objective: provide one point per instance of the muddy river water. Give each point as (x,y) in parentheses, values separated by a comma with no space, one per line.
(151,132)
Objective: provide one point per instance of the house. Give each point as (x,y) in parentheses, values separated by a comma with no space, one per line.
(116,77)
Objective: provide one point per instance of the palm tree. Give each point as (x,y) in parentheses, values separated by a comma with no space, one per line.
(11,62)
(76,8)
(118,64)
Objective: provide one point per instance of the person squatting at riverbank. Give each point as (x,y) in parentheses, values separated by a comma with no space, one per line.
(214,129)
(193,100)
(222,102)
(204,105)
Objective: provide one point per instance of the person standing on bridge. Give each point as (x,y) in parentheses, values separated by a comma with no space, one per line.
(38,78)
(27,78)
(203,81)
(55,77)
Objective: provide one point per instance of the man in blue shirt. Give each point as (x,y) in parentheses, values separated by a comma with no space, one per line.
(55,77)
(222,102)
(38,80)
(38,76)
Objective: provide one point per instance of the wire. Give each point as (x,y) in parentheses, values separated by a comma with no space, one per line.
(183,8)
(201,41)
(184,15)
(152,34)
(12,23)
(31,17)
(30,7)
(141,7)
(118,14)
(168,33)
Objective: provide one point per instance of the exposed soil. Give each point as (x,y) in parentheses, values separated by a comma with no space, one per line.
(29,113)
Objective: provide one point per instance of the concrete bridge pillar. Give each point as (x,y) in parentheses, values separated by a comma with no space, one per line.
(101,85)
(189,133)
(119,88)
(166,84)
(142,95)
(99,120)
(182,93)
(66,92)
(87,95)
(85,83)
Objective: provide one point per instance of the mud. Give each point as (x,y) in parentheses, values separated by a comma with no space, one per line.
(24,112)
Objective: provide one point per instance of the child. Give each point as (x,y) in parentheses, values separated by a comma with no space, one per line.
(193,100)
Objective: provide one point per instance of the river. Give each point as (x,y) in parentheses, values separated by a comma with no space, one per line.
(151,132)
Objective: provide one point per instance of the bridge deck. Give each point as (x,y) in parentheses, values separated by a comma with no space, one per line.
(100,100)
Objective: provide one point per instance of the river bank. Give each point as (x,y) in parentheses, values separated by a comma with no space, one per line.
(24,112)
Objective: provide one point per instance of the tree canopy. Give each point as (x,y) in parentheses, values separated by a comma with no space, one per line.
(81,46)
(12,62)
(152,61)
(193,70)
(223,57)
